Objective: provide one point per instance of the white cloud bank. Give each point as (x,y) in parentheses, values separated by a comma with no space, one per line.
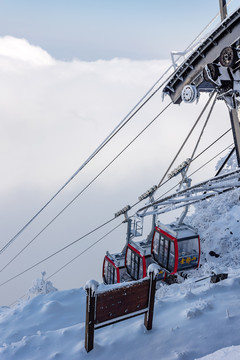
(21,50)
(53,115)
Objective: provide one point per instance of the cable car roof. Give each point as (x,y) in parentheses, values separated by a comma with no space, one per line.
(178,231)
(118,258)
(142,246)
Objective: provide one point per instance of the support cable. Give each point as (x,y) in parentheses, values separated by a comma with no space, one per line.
(85,250)
(58,251)
(73,259)
(206,163)
(100,147)
(199,139)
(122,123)
(225,161)
(105,168)
(82,237)
(189,134)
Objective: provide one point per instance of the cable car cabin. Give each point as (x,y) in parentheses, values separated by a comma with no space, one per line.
(138,258)
(176,247)
(113,268)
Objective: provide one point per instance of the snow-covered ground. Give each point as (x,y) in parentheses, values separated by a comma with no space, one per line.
(192,320)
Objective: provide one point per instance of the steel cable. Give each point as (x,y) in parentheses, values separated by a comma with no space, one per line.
(105,168)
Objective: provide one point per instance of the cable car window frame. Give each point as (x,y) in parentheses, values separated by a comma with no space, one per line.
(138,260)
(114,272)
(163,256)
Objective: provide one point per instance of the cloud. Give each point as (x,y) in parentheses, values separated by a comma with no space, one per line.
(53,115)
(13,48)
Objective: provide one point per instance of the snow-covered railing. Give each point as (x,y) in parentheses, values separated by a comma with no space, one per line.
(119,302)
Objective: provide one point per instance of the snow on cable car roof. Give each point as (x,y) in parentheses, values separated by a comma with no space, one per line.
(178,231)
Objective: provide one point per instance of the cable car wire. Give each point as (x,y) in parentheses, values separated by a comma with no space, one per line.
(206,163)
(122,123)
(85,250)
(70,261)
(105,168)
(199,139)
(186,139)
(101,146)
(57,252)
(89,233)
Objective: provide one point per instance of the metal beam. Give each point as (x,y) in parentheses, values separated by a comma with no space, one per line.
(223,9)
(236,130)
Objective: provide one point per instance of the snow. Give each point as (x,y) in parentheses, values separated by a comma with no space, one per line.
(191,320)
(93,285)
(153,268)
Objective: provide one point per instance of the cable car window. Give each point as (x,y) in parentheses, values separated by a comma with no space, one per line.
(161,250)
(188,253)
(140,269)
(171,261)
(156,242)
(110,273)
(129,255)
(166,246)
(134,264)
(164,251)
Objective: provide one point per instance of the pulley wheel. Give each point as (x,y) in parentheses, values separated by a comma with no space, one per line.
(228,56)
(212,71)
(189,94)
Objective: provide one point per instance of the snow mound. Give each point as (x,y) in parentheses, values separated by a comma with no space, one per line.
(230,353)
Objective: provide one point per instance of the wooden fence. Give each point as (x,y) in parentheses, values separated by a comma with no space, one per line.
(120,303)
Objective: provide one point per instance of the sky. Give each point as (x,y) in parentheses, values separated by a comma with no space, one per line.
(93,29)
(61,93)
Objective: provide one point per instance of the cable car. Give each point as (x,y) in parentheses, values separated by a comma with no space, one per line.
(113,268)
(176,247)
(138,258)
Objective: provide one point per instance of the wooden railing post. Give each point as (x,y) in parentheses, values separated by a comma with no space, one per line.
(89,325)
(148,320)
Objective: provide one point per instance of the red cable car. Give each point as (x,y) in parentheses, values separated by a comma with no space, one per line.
(138,258)
(176,247)
(113,268)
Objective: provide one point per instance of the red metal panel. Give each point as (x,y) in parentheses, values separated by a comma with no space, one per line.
(176,257)
(199,251)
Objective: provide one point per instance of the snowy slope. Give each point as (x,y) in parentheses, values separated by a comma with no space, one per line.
(191,320)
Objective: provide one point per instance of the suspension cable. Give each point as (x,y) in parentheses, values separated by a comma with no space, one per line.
(122,123)
(100,147)
(85,250)
(184,142)
(199,139)
(105,168)
(110,136)
(73,259)
(89,233)
(206,163)
(57,252)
